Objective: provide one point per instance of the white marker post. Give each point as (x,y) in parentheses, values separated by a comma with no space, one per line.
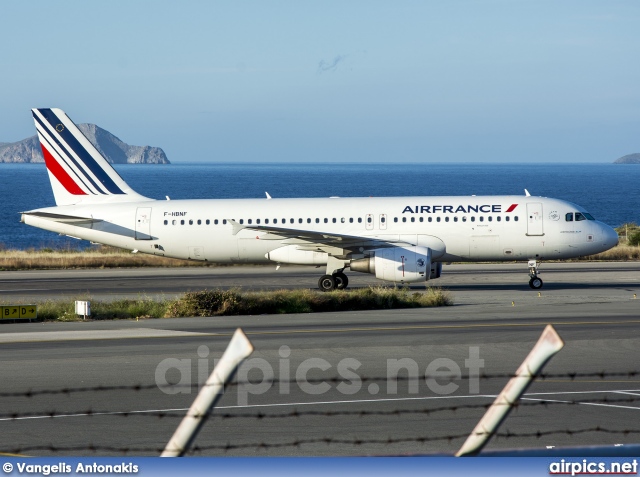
(239,349)
(546,347)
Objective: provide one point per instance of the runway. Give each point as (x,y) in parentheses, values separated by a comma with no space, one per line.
(330,395)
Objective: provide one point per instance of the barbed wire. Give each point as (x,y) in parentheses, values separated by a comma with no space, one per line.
(335,380)
(323,440)
(177,413)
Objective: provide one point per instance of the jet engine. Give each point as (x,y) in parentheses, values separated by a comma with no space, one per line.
(398,264)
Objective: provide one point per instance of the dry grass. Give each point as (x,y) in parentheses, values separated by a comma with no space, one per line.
(98,257)
(619,253)
(236,302)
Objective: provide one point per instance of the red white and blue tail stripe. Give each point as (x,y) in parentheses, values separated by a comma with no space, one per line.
(78,172)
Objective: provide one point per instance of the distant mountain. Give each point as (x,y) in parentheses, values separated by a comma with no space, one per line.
(115,150)
(628,159)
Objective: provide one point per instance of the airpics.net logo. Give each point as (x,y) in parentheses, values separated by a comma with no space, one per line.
(586,467)
(256,376)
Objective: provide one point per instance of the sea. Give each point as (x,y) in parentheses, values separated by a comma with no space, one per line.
(610,192)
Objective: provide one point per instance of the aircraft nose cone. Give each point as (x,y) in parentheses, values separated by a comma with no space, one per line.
(610,236)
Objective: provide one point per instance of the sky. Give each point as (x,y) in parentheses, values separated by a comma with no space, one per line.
(333,81)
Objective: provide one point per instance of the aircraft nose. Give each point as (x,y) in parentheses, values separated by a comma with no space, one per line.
(609,236)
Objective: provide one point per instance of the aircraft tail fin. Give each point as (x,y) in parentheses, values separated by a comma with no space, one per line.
(79,174)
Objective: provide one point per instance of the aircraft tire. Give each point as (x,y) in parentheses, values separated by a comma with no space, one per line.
(327,283)
(342,281)
(535,283)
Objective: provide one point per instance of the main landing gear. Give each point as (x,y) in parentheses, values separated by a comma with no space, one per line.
(535,282)
(337,281)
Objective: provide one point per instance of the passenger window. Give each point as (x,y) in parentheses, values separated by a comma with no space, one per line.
(464,219)
(455,219)
(333,220)
(368,220)
(446,219)
(489,218)
(266,221)
(382,219)
(249,221)
(404,219)
(421,219)
(208,222)
(395,219)
(199,222)
(430,219)
(498,218)
(224,221)
(515,218)
(241,221)
(299,221)
(326,221)
(473,219)
(190,221)
(437,219)
(579,217)
(317,221)
(166,222)
(359,220)
(308,220)
(182,222)
(413,219)
(481,218)
(350,220)
(275,221)
(506,218)
(173,222)
(258,221)
(343,220)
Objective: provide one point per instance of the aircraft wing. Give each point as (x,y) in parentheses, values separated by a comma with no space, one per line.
(312,240)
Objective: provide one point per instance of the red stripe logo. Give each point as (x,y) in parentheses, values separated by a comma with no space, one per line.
(512,207)
(60,174)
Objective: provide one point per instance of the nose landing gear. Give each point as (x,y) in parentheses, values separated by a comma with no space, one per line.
(535,282)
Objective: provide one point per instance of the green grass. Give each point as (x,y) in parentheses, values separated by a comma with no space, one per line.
(236,302)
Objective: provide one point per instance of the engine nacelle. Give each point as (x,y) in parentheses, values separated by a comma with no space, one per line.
(397,264)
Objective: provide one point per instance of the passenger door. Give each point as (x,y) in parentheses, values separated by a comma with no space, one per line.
(143,223)
(534,219)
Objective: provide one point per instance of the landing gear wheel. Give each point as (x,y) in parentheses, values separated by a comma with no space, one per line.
(535,283)
(341,280)
(327,283)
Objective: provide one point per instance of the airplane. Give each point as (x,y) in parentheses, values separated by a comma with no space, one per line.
(397,239)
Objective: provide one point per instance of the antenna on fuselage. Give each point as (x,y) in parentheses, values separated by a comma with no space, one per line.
(268,196)
(526,192)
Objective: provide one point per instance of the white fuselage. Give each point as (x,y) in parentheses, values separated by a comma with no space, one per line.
(457,228)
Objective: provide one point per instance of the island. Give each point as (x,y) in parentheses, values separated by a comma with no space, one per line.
(116,151)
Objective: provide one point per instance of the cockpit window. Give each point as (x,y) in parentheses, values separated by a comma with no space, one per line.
(578,216)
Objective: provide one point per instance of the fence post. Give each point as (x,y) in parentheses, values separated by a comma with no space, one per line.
(239,348)
(546,347)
